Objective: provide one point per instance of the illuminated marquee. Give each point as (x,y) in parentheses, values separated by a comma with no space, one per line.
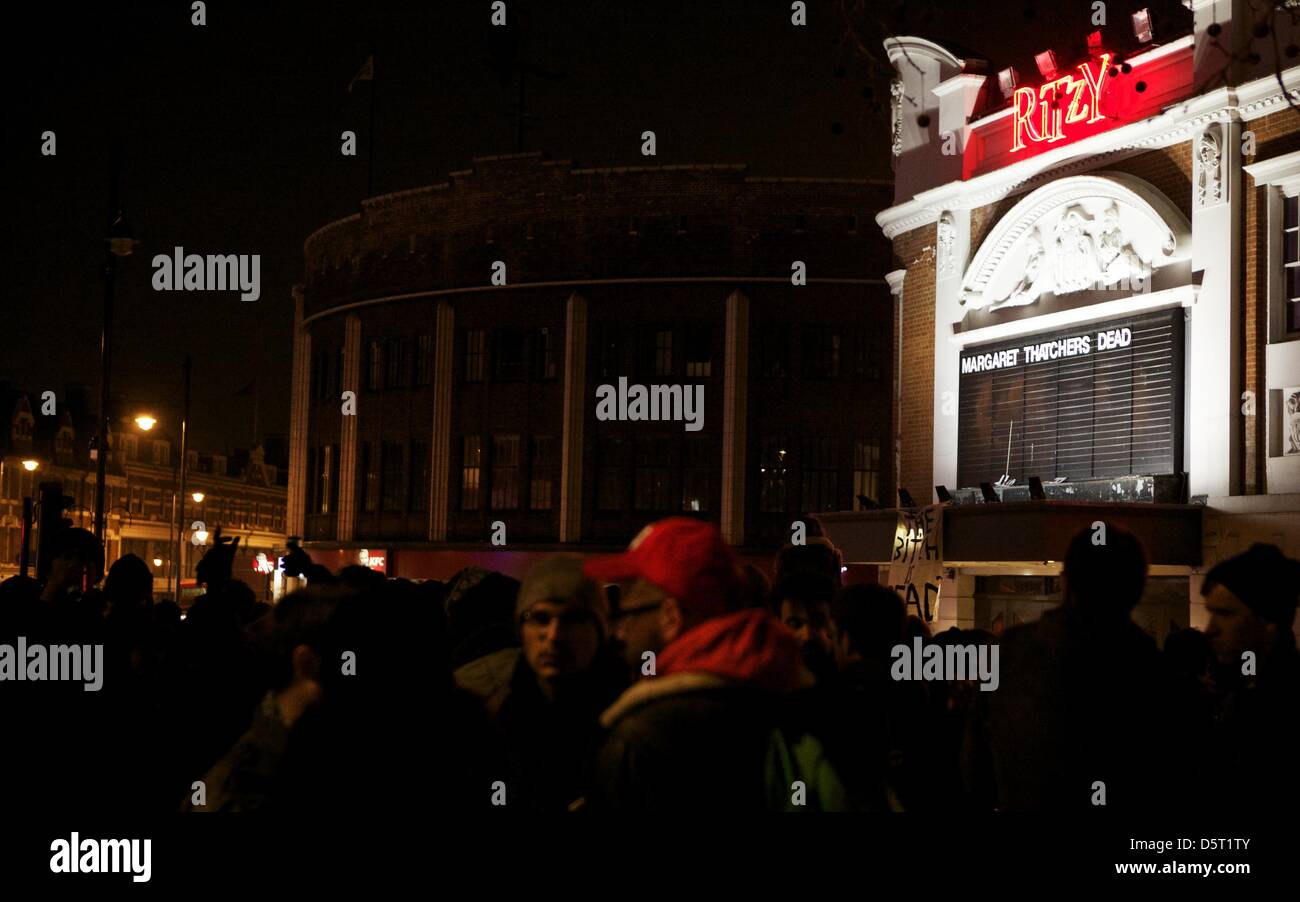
(1053,113)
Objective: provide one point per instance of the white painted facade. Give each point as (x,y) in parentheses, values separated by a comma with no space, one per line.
(1075,183)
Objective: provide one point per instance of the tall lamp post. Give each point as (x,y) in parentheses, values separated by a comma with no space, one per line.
(120,244)
(180,494)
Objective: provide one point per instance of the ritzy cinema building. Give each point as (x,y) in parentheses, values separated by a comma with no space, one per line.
(1097,308)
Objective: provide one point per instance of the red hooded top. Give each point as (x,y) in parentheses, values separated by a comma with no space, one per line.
(749,646)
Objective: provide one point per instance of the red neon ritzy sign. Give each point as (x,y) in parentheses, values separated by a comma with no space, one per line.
(1044,115)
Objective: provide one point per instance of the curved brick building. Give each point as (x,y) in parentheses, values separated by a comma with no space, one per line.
(477,319)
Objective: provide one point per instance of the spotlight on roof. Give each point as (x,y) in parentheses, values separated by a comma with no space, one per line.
(905,498)
(990,496)
(1007,80)
(1036,489)
(1046,64)
(1142,26)
(1094,45)
(867,504)
(944,496)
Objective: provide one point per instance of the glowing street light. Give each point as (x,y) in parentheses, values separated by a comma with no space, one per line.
(157,562)
(201,536)
(198,497)
(31,465)
(145,422)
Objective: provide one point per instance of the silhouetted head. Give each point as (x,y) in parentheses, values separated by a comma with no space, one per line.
(801,599)
(1251,600)
(78,559)
(868,622)
(356,578)
(818,555)
(1105,573)
(129,582)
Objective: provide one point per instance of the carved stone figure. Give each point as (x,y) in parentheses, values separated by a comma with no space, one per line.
(1209,185)
(947,233)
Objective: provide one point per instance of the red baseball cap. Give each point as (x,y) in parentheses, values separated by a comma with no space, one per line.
(687,558)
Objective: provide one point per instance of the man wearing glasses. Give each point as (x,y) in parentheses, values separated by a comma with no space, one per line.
(693,733)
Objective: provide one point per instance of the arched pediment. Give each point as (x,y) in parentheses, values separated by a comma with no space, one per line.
(1093,231)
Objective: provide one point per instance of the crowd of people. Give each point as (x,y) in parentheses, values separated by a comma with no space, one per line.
(666,678)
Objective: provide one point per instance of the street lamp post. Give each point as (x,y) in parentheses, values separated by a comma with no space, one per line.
(120,244)
(179,501)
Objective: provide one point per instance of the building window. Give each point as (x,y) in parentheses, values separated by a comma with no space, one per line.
(653,473)
(161,454)
(419,476)
(867,353)
(541,487)
(375,367)
(821,352)
(866,468)
(394,476)
(1291,261)
(611,476)
(775,352)
(23,427)
(324,478)
(611,351)
(699,352)
(819,469)
(475,355)
(370,477)
(470,470)
(773,465)
(545,353)
(395,352)
(663,353)
(131,447)
(511,363)
(505,472)
(697,474)
(423,359)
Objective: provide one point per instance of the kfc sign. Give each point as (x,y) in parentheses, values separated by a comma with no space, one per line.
(367,558)
(1059,109)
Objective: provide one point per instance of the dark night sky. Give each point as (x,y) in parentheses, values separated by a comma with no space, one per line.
(230,142)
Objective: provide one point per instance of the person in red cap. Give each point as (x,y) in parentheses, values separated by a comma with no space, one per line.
(694,731)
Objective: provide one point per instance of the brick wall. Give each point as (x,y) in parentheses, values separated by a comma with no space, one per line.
(1275,134)
(915,253)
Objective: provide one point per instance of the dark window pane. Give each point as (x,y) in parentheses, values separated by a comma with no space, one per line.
(419,476)
(505,472)
(541,491)
(475,355)
(511,356)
